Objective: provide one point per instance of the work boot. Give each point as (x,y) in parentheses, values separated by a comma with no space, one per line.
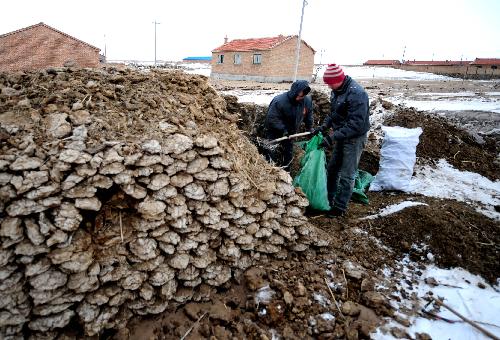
(335,212)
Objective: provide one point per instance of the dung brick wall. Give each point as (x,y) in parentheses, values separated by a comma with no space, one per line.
(124,193)
(40,46)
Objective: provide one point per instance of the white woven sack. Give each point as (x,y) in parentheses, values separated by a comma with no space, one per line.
(397,158)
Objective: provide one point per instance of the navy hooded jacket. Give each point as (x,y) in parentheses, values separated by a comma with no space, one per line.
(285,114)
(350,111)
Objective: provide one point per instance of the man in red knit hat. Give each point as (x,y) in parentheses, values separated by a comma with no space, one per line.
(349,118)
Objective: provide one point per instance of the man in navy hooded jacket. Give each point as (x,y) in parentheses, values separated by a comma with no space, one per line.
(349,119)
(284,116)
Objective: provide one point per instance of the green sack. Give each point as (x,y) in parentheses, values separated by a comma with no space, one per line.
(361,182)
(312,176)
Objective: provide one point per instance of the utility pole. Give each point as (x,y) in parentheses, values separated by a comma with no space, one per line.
(156,23)
(299,39)
(321,56)
(404,51)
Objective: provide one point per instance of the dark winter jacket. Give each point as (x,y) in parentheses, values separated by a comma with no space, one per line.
(350,111)
(285,114)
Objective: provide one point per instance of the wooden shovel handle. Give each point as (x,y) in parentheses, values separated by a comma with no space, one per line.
(290,137)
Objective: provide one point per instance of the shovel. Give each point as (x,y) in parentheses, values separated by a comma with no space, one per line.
(289,137)
(271,145)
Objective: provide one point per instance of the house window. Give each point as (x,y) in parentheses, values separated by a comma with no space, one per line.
(237,58)
(257,58)
(220,59)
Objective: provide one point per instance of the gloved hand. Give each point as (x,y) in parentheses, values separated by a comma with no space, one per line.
(327,142)
(315,131)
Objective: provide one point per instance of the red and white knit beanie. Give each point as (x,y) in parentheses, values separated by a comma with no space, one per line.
(333,74)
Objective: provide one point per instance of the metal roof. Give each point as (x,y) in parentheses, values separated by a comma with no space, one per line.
(197,58)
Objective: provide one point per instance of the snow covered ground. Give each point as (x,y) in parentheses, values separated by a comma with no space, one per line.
(261,97)
(459,103)
(197,68)
(444,181)
(373,72)
(464,292)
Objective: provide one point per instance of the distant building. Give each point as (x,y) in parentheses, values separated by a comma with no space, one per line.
(381,62)
(481,68)
(203,60)
(492,63)
(41,46)
(262,59)
(438,62)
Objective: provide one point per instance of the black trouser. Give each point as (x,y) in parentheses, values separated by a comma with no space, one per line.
(282,154)
(342,170)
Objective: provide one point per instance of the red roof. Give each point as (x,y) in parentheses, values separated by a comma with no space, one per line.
(255,44)
(47,26)
(486,61)
(382,62)
(438,62)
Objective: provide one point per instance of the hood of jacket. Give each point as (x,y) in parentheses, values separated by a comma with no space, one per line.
(297,86)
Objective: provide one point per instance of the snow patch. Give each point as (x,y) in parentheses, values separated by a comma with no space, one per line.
(444,181)
(461,291)
(197,68)
(264,295)
(260,97)
(322,300)
(391,209)
(476,104)
(371,72)
(438,95)
(327,316)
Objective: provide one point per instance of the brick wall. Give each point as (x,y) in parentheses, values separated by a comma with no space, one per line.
(40,47)
(277,64)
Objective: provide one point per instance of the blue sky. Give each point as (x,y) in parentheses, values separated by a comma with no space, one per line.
(340,31)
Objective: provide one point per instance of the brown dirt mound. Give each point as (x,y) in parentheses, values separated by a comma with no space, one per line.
(440,139)
(300,305)
(295,311)
(455,234)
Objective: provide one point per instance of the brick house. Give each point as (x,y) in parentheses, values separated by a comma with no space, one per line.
(485,68)
(262,59)
(41,46)
(491,63)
